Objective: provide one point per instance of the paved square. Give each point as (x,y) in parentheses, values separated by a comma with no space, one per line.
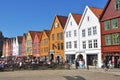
(58,75)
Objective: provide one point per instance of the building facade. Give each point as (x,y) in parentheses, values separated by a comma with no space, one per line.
(29,43)
(44,45)
(36,44)
(23,45)
(110,31)
(90,39)
(71,43)
(57,38)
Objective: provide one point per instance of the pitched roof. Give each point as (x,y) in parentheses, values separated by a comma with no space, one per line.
(47,32)
(39,34)
(32,33)
(105,9)
(62,20)
(77,17)
(19,39)
(96,11)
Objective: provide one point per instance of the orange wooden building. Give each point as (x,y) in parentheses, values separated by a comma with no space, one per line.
(44,45)
(57,38)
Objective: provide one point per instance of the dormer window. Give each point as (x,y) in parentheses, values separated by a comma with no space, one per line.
(88,18)
(56,25)
(117,4)
(71,23)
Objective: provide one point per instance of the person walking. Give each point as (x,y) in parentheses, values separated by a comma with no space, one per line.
(76,63)
(106,64)
(118,62)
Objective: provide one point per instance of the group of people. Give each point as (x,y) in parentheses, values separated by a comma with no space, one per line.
(109,64)
(18,63)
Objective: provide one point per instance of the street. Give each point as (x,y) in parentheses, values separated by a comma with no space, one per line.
(60,75)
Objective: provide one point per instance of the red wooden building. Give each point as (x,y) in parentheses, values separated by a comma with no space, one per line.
(36,44)
(23,45)
(110,31)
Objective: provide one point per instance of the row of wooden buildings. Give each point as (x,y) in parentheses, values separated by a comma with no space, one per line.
(95,34)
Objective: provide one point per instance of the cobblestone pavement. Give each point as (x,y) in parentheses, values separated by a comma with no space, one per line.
(80,74)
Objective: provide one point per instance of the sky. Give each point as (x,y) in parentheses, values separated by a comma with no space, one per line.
(20,16)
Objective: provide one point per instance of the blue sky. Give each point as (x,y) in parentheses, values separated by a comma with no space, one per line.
(20,16)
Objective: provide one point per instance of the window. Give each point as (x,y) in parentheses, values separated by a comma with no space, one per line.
(94,30)
(89,31)
(95,43)
(75,44)
(84,44)
(56,25)
(62,47)
(58,46)
(58,36)
(75,33)
(52,46)
(69,33)
(115,23)
(61,35)
(117,4)
(90,43)
(88,18)
(66,34)
(66,45)
(107,40)
(52,36)
(70,45)
(71,23)
(107,25)
(83,33)
(115,39)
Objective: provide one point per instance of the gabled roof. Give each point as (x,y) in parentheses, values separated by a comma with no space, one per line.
(96,11)
(47,32)
(32,34)
(105,9)
(77,17)
(19,39)
(39,34)
(62,20)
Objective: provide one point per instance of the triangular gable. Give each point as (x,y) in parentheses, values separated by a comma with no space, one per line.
(109,11)
(76,17)
(47,32)
(105,9)
(95,11)
(62,20)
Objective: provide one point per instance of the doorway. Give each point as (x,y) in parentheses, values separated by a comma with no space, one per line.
(90,58)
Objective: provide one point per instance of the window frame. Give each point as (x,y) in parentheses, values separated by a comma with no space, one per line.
(75,44)
(114,22)
(84,44)
(115,39)
(95,42)
(94,30)
(89,32)
(107,39)
(117,4)
(107,25)
(83,33)
(89,43)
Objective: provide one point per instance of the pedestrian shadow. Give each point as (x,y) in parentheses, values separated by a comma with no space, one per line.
(74,78)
